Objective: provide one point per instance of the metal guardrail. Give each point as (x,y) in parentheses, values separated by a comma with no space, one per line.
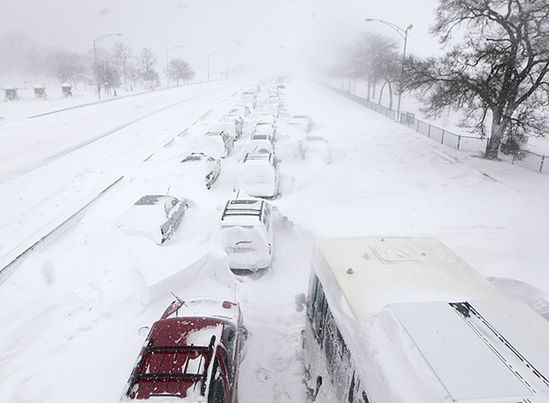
(524,158)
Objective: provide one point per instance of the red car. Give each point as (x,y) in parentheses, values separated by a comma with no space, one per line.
(192,352)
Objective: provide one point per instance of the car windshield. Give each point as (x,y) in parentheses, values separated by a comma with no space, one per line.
(148,200)
(192,157)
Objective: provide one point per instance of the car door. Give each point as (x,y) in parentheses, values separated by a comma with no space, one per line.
(174,211)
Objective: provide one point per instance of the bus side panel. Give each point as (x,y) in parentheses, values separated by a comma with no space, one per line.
(329,372)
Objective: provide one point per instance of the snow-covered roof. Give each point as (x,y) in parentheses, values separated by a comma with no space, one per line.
(468,349)
(373,272)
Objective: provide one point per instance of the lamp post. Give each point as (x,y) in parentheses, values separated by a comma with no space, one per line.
(403,32)
(95,60)
(168,63)
(209,56)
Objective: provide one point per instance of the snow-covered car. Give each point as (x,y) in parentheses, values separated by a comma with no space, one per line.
(216,143)
(315,148)
(302,122)
(246,235)
(260,143)
(258,175)
(248,97)
(228,126)
(199,165)
(192,354)
(270,109)
(266,119)
(155,217)
(266,128)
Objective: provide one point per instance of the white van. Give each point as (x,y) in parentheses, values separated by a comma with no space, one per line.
(406,320)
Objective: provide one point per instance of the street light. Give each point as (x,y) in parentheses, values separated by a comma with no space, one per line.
(210,55)
(403,32)
(168,63)
(95,60)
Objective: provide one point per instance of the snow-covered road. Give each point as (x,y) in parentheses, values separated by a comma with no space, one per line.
(72,309)
(59,174)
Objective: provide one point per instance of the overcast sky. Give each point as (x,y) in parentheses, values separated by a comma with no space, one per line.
(278,33)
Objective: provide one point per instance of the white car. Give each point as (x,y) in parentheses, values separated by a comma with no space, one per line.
(266,128)
(258,175)
(228,126)
(300,121)
(315,148)
(261,144)
(199,166)
(246,235)
(270,109)
(155,217)
(216,143)
(266,119)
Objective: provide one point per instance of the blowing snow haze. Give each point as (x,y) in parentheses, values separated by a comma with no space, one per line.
(286,35)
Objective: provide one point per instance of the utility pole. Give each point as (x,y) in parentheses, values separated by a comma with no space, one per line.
(95,65)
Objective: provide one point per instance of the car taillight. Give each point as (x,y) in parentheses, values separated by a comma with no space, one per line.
(227,304)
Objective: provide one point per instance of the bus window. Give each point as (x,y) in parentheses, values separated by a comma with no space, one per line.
(312,294)
(337,355)
(318,313)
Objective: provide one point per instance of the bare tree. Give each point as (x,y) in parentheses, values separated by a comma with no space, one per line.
(123,54)
(147,62)
(499,67)
(69,67)
(374,59)
(179,70)
(108,76)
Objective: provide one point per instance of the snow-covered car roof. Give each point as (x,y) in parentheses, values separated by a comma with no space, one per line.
(242,212)
(259,157)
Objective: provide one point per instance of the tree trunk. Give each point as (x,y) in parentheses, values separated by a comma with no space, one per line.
(499,124)
(369,86)
(381,93)
(390,96)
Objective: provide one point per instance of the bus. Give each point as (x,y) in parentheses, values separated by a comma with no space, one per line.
(407,320)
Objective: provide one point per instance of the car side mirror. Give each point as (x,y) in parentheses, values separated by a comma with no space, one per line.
(143,330)
(300,302)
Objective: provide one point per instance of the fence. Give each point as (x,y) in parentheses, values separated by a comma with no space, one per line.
(525,158)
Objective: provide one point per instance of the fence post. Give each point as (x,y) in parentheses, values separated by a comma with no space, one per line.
(417,126)
(442,137)
(459,141)
(429,132)
(541,163)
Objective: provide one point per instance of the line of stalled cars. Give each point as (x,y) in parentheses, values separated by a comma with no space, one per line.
(194,350)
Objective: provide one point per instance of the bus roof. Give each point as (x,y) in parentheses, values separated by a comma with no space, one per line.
(423,325)
(373,272)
